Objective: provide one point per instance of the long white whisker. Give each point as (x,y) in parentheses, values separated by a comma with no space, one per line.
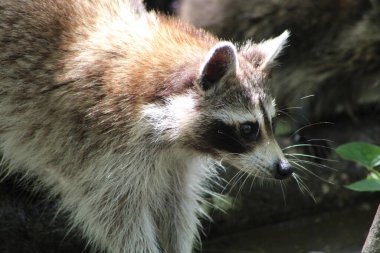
(303,187)
(310,125)
(306,145)
(313,164)
(312,173)
(308,96)
(310,156)
(326,140)
(283,191)
(253,180)
(242,184)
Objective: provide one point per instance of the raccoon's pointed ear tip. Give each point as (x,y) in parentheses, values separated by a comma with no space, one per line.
(272,48)
(283,39)
(284,36)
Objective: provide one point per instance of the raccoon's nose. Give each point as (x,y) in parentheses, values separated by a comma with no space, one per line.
(282,170)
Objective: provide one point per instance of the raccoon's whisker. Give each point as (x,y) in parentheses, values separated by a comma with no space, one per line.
(300,183)
(310,125)
(289,108)
(306,145)
(261,181)
(292,117)
(308,96)
(229,182)
(240,178)
(283,191)
(4,174)
(234,180)
(221,198)
(302,186)
(313,164)
(308,190)
(326,140)
(225,183)
(310,156)
(284,183)
(242,185)
(220,162)
(231,158)
(288,115)
(254,176)
(296,164)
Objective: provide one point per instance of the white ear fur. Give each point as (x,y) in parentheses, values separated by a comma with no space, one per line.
(221,61)
(272,48)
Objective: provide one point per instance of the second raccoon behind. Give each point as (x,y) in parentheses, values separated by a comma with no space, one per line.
(123,113)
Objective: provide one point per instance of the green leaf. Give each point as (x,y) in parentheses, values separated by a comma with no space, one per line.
(373,176)
(365,185)
(363,153)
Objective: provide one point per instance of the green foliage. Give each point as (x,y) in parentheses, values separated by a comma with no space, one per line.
(367,155)
(365,185)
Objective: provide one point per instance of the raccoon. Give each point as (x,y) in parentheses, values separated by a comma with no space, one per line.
(122,114)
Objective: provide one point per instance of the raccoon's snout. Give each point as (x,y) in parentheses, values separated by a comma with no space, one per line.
(282,169)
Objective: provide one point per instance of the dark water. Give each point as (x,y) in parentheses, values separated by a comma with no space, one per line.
(341,231)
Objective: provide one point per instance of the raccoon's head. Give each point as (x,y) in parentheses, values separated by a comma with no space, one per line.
(236,113)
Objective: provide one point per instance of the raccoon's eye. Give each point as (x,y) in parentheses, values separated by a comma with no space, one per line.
(249,131)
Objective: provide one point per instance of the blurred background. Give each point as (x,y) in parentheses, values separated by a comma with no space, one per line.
(327,87)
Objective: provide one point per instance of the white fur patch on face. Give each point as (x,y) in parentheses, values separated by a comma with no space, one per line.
(172,117)
(182,108)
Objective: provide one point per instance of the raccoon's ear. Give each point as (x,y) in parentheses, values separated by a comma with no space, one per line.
(221,62)
(270,49)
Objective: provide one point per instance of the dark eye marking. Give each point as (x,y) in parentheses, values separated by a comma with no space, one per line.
(249,131)
(225,137)
(231,138)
